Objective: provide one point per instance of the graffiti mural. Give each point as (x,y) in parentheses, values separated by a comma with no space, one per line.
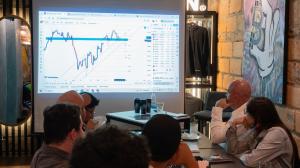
(264,41)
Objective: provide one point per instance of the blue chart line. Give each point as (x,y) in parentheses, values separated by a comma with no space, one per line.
(89,57)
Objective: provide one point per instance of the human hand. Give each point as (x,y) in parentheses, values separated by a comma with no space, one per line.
(241,121)
(238,121)
(91,124)
(203,164)
(222,103)
(248,123)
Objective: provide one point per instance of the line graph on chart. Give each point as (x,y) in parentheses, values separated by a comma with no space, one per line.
(78,57)
(90,57)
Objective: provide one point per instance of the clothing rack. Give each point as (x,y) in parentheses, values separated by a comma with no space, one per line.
(200,21)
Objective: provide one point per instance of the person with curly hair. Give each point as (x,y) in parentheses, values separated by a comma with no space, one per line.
(110,147)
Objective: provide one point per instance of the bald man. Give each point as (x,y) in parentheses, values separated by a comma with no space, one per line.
(74,98)
(238,94)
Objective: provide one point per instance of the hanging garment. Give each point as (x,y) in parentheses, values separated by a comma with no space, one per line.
(197,51)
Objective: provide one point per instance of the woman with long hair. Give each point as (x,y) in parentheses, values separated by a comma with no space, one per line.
(271,144)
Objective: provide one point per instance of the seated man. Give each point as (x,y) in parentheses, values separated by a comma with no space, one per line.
(62,126)
(90,110)
(109,147)
(74,98)
(239,93)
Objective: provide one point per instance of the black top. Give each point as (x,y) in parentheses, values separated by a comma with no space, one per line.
(197,51)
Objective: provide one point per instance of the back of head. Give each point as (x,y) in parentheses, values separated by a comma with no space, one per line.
(92,100)
(241,87)
(163,134)
(72,97)
(264,112)
(241,90)
(109,147)
(59,120)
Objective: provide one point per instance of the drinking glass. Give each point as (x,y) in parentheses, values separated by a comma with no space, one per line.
(160,107)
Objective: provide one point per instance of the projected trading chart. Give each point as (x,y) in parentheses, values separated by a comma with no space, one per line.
(108,52)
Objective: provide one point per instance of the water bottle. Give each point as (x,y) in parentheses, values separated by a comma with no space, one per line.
(153,102)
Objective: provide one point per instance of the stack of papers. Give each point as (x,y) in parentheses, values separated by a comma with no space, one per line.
(189,136)
(193,146)
(176,114)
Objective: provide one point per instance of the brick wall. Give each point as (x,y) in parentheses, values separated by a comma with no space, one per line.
(230,55)
(293,75)
(230,40)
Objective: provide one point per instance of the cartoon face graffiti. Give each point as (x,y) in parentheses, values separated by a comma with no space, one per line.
(264,26)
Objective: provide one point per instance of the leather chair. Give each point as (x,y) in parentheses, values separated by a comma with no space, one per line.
(192,104)
(204,116)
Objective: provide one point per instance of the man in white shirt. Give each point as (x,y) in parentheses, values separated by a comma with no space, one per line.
(239,92)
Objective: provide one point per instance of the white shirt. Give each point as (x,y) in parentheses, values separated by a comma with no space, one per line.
(219,128)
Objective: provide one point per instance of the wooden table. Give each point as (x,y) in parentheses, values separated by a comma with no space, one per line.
(130,117)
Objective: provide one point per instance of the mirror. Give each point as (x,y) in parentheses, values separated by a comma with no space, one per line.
(15,70)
